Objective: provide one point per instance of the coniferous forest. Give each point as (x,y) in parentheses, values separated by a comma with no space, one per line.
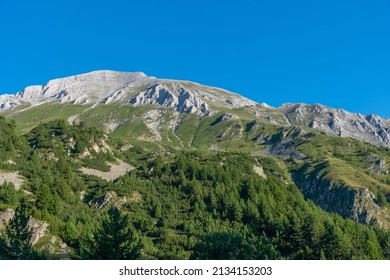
(172,205)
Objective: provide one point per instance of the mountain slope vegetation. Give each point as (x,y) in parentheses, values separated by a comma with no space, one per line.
(175,202)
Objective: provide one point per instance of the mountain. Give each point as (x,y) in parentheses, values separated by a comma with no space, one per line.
(106,87)
(137,89)
(165,150)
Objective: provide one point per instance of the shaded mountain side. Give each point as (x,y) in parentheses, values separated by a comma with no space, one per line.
(338,196)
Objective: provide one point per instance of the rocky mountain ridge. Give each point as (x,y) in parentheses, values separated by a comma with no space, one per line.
(137,89)
(106,87)
(367,128)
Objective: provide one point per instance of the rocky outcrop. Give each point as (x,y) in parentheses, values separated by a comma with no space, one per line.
(55,246)
(354,203)
(367,128)
(8,101)
(259,171)
(12,177)
(80,89)
(6,216)
(225,117)
(38,228)
(173,96)
(252,126)
(228,117)
(110,199)
(377,165)
(233,132)
(283,149)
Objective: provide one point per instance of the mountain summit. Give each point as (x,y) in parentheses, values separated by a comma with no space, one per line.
(105,87)
(137,89)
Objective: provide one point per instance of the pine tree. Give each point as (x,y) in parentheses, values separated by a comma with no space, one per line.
(8,194)
(233,246)
(334,243)
(115,239)
(16,239)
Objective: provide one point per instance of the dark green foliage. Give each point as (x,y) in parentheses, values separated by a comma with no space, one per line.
(10,142)
(60,138)
(217,193)
(116,239)
(202,205)
(232,246)
(15,241)
(3,249)
(9,195)
(98,161)
(382,201)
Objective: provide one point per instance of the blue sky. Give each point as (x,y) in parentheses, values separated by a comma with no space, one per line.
(332,52)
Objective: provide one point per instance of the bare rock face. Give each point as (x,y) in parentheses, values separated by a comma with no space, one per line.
(38,230)
(90,88)
(110,199)
(172,96)
(104,87)
(79,89)
(228,117)
(377,165)
(12,177)
(225,117)
(6,216)
(252,126)
(354,203)
(259,171)
(8,101)
(283,150)
(367,128)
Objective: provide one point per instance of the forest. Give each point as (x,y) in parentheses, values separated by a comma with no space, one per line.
(173,205)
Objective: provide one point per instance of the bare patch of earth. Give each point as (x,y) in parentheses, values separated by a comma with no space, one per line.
(116,171)
(11,177)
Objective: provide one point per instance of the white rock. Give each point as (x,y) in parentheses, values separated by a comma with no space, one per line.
(135,88)
(368,128)
(8,101)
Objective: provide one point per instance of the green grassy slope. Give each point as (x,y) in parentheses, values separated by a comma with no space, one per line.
(348,162)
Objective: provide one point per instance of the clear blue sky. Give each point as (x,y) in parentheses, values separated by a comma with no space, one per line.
(332,52)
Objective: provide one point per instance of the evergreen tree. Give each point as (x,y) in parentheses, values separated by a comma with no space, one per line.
(8,194)
(233,246)
(115,239)
(334,243)
(3,249)
(16,238)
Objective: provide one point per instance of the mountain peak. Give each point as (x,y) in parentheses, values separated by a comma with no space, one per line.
(138,89)
(90,87)
(106,86)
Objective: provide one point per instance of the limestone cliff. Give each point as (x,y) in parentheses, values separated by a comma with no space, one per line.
(357,204)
